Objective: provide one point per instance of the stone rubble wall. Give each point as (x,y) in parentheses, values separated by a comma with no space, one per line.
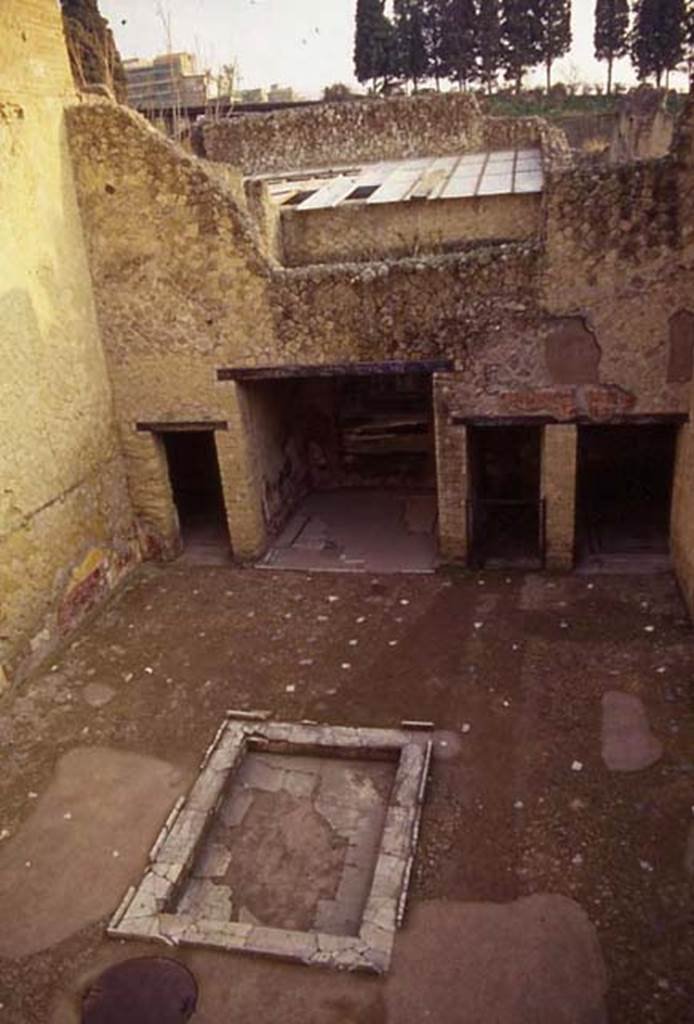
(182,282)
(682,534)
(334,134)
(366,131)
(67,534)
(574,323)
(614,255)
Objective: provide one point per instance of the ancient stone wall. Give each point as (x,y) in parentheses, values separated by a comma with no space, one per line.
(366,131)
(614,256)
(181,283)
(66,528)
(682,356)
(577,323)
(334,134)
(376,231)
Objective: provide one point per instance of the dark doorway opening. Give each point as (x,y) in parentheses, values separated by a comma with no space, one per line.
(505,511)
(624,490)
(348,470)
(197,493)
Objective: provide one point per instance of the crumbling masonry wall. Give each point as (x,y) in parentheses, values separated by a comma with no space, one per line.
(182,284)
(365,131)
(682,531)
(66,528)
(575,324)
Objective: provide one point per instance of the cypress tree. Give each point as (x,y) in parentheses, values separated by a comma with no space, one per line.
(520,39)
(611,37)
(411,58)
(372,42)
(489,41)
(658,37)
(434,15)
(553,21)
(461,41)
(94,56)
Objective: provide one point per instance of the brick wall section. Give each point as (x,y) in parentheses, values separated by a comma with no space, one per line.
(559,492)
(451,470)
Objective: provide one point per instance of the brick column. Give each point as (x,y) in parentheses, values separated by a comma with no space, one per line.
(240,479)
(559,491)
(451,476)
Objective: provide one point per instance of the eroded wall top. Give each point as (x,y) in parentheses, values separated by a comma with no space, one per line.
(343,133)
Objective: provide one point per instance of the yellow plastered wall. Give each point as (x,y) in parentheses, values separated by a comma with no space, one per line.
(65,524)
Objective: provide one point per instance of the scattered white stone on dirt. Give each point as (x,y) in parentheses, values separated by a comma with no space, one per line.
(353,643)
(646,865)
(332,598)
(360,619)
(466,727)
(404,600)
(68,816)
(576,766)
(322,618)
(306,661)
(649,629)
(32,795)
(518,805)
(577,859)
(290,688)
(392,643)
(563,625)
(628,744)
(346,664)
(149,670)
(661,669)
(478,625)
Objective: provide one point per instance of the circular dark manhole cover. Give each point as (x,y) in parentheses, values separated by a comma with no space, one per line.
(145,990)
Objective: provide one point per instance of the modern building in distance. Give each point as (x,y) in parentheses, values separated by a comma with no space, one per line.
(165,82)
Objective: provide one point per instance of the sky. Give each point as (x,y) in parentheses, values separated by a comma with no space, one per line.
(306,44)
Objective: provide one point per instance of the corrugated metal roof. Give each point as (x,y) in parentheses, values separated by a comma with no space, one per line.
(494,172)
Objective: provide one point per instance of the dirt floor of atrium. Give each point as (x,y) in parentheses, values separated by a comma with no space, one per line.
(529,839)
